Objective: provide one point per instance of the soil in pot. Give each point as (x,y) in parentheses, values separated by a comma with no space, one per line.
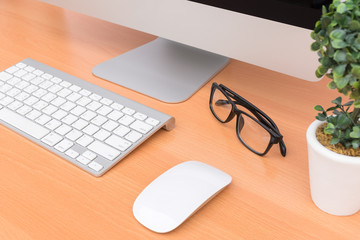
(324,139)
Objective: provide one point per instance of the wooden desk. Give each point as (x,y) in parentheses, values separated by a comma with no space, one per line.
(44,197)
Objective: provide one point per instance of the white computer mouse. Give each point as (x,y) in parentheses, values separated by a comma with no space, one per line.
(177,194)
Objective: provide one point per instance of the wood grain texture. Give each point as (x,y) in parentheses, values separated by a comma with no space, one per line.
(44,197)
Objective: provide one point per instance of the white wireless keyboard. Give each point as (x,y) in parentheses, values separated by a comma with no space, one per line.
(85,124)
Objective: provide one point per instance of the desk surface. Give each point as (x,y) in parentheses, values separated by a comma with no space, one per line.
(45,197)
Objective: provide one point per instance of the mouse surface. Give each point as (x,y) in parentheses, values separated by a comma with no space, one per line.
(178,193)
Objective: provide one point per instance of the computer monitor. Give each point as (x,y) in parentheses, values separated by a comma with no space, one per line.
(197,38)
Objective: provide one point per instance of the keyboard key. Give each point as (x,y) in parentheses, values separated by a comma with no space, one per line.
(85,140)
(49,109)
(89,155)
(69,119)
(96,166)
(128,111)
(152,121)
(104,110)
(64,145)
(33,129)
(94,105)
(126,120)
(21,65)
(78,110)
(43,119)
(102,134)
(83,160)
(104,150)
(133,136)
(117,106)
(6,100)
(29,68)
(63,129)
(99,120)
(115,115)
(106,101)
(141,126)
(15,105)
(80,124)
(12,69)
(4,76)
(140,116)
(51,139)
(84,92)
(33,114)
(38,72)
(90,129)
(19,73)
(110,125)
(47,76)
(72,153)
(53,124)
(121,130)
(24,110)
(118,143)
(74,134)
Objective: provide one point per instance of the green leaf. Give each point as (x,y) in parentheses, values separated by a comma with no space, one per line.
(337,101)
(338,43)
(340,56)
(341,8)
(343,121)
(354,25)
(325,61)
(323,10)
(341,82)
(349,103)
(355,143)
(337,34)
(332,85)
(322,70)
(319,108)
(336,3)
(339,70)
(314,36)
(334,141)
(325,21)
(357,103)
(355,70)
(321,117)
(355,132)
(329,129)
(355,94)
(356,43)
(315,46)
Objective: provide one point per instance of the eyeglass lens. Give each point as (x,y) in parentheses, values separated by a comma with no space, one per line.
(253,134)
(250,132)
(220,105)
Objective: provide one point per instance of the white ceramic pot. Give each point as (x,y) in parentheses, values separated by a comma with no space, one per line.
(334,178)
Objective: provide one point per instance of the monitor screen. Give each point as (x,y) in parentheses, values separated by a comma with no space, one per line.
(301,13)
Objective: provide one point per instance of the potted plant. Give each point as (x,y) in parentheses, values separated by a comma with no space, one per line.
(334,164)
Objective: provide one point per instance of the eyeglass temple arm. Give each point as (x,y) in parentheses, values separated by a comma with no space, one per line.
(282,148)
(257,112)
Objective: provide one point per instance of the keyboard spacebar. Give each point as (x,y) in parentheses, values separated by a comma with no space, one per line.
(16,120)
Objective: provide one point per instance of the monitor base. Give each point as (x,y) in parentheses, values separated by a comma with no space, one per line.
(168,71)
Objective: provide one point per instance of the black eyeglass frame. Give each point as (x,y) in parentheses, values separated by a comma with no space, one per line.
(261,118)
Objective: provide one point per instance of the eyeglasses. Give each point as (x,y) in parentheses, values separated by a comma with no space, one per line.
(254,128)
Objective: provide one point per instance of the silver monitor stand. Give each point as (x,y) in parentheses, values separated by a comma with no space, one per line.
(168,71)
